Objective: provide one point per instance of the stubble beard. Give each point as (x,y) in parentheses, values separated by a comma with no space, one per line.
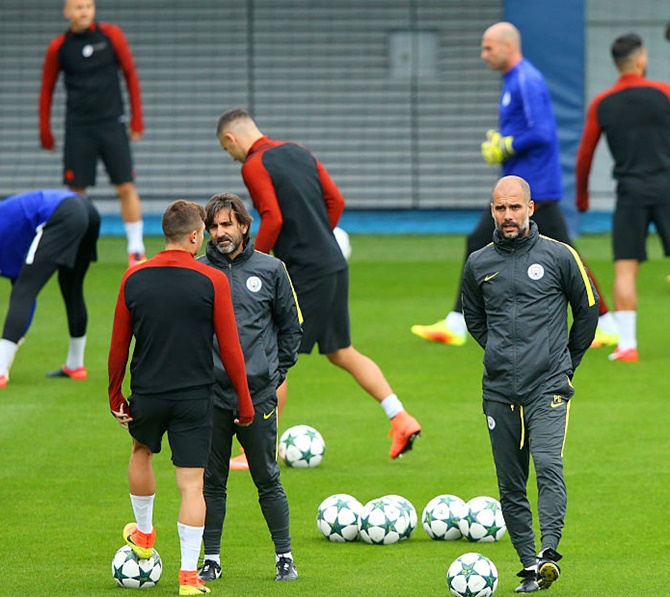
(228,248)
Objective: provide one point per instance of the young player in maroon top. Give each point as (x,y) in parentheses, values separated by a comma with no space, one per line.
(90,55)
(173,306)
(634,116)
(299,205)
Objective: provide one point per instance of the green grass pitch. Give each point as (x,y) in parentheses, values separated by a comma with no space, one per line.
(63,488)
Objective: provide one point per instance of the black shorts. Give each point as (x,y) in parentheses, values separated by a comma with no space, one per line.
(324,303)
(71,232)
(630,227)
(85,144)
(186,417)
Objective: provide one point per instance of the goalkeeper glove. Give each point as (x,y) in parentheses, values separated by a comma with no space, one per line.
(496,149)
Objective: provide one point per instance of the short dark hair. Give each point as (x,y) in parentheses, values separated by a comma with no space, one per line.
(230,116)
(232,202)
(181,218)
(624,47)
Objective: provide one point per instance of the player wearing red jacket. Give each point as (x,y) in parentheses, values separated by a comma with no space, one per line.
(634,116)
(90,55)
(173,306)
(299,205)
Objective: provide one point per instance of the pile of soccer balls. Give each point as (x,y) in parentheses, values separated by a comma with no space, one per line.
(131,572)
(341,518)
(447,517)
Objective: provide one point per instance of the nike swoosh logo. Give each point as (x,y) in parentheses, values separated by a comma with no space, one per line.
(490,277)
(556,404)
(269,414)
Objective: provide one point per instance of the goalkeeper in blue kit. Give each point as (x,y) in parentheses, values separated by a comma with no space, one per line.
(526,145)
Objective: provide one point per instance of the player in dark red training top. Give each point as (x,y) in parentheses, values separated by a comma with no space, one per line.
(300,205)
(90,55)
(174,306)
(634,117)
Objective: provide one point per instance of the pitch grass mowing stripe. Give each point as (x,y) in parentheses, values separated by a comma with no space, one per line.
(64,495)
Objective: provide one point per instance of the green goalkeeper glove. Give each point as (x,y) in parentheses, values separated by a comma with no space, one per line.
(496,149)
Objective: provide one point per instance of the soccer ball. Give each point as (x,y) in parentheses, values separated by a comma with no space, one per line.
(442,516)
(342,238)
(382,522)
(131,572)
(484,521)
(338,516)
(301,446)
(472,575)
(410,512)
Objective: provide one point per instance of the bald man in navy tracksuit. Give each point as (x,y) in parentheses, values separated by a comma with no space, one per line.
(516,293)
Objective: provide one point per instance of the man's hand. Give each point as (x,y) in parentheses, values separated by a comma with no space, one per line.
(121,410)
(47,140)
(496,149)
(246,418)
(582,202)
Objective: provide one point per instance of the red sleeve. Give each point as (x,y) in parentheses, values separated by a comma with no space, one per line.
(331,195)
(661,86)
(125,58)
(232,358)
(122,333)
(50,72)
(587,148)
(262,191)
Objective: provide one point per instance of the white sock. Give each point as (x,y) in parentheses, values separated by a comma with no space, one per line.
(456,322)
(7,353)
(134,231)
(627,329)
(608,324)
(190,539)
(392,406)
(214,557)
(75,353)
(288,555)
(143,508)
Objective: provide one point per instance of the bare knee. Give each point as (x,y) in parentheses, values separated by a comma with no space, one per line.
(126,191)
(140,451)
(342,356)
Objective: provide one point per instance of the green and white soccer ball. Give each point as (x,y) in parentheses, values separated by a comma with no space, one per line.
(484,522)
(131,572)
(301,446)
(337,518)
(409,510)
(342,238)
(442,517)
(472,575)
(382,522)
